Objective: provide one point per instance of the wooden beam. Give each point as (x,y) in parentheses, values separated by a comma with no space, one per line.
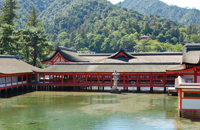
(180,71)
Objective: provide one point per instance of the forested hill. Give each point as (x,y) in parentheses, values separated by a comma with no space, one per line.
(26,6)
(100,26)
(182,15)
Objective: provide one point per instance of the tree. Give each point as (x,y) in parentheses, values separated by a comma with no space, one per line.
(32,18)
(9,39)
(8,12)
(96,45)
(141,47)
(35,39)
(161,38)
(178,48)
(80,43)
(174,40)
(105,47)
(128,42)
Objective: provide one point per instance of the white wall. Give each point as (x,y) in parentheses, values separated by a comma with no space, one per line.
(190,103)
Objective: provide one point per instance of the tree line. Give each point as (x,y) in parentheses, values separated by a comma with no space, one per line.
(103,27)
(30,43)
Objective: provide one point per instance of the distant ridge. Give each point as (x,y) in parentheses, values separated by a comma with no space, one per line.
(182,15)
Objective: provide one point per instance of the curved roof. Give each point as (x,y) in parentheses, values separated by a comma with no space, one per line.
(191,57)
(116,55)
(68,54)
(108,67)
(12,65)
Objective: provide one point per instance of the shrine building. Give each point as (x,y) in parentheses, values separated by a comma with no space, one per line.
(15,73)
(84,71)
(188,81)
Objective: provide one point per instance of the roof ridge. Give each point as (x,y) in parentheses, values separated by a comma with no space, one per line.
(135,63)
(10,56)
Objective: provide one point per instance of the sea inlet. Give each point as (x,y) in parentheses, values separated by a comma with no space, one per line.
(42,110)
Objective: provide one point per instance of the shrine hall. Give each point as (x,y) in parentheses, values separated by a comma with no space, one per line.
(83,72)
(67,68)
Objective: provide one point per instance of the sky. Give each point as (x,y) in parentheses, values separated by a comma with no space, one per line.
(180,3)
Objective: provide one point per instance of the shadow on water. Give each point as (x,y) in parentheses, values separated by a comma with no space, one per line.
(12,92)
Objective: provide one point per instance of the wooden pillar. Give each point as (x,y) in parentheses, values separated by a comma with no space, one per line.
(86,82)
(127,79)
(151,80)
(195,76)
(138,89)
(43,78)
(31,78)
(62,78)
(74,76)
(5,81)
(137,84)
(111,80)
(151,89)
(11,80)
(90,79)
(98,79)
(26,78)
(165,80)
(17,80)
(22,78)
(124,79)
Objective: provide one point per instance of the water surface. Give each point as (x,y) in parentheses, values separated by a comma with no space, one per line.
(82,110)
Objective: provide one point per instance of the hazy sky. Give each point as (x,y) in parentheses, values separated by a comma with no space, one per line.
(181,3)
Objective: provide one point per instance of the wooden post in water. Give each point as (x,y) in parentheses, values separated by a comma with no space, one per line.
(164,89)
(138,89)
(151,89)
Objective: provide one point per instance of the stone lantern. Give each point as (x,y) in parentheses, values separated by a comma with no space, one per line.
(114,89)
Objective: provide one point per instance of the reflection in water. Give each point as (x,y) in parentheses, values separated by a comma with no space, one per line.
(73,110)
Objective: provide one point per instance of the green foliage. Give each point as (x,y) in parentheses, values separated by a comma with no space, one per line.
(34,45)
(100,26)
(8,12)
(157,7)
(83,21)
(32,19)
(9,39)
(178,48)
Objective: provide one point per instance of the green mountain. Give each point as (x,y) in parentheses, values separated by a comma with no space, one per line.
(101,26)
(26,6)
(182,15)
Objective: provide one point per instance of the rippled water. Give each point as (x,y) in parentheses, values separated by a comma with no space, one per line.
(74,110)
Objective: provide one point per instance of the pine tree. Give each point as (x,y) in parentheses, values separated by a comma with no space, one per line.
(34,39)
(35,42)
(8,43)
(32,19)
(8,12)
(9,39)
